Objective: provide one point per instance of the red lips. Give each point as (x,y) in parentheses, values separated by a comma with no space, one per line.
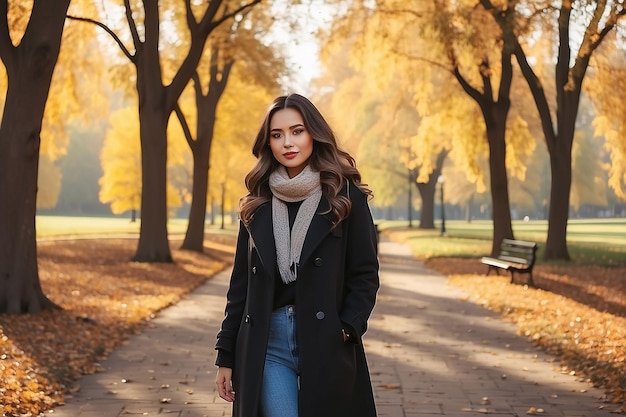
(290,155)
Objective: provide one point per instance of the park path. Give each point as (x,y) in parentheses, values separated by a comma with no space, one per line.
(431,353)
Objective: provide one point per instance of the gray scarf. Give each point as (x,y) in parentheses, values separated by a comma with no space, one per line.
(305,187)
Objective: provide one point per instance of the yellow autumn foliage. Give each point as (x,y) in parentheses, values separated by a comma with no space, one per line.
(121,163)
(75,93)
(606,85)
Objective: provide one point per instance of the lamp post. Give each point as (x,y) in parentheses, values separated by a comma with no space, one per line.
(410,197)
(223,203)
(441,180)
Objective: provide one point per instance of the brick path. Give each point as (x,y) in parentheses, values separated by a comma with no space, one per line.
(430,352)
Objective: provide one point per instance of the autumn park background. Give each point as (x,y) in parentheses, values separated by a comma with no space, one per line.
(506,118)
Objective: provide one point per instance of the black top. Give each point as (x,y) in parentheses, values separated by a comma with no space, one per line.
(285,294)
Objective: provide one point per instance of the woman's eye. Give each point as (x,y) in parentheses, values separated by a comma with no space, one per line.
(276,136)
(298,131)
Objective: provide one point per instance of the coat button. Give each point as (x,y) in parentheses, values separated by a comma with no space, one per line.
(254,270)
(320,315)
(247,319)
(318,261)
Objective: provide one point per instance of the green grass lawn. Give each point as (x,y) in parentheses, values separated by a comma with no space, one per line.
(590,241)
(62,226)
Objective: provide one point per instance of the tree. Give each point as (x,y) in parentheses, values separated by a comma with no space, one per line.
(495,105)
(593,20)
(460,41)
(226,48)
(232,156)
(157,100)
(378,124)
(606,86)
(29,67)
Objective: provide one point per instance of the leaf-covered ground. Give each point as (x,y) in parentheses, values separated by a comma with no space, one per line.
(105,298)
(578,313)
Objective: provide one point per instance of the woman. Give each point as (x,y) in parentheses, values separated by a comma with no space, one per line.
(304,278)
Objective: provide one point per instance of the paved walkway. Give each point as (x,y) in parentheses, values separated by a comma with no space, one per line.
(430,352)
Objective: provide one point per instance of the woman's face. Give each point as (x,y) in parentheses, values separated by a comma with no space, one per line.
(291,143)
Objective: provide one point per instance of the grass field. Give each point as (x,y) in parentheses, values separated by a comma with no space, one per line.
(590,241)
(63,226)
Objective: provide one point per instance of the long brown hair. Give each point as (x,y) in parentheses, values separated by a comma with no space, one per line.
(333,164)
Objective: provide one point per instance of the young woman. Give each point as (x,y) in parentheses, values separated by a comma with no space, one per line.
(304,278)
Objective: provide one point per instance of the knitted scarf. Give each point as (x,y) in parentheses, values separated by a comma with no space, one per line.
(305,187)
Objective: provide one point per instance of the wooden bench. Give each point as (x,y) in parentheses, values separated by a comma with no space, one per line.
(515,256)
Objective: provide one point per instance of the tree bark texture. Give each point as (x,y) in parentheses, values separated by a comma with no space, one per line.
(29,67)
(569,81)
(194,236)
(498,179)
(156,103)
(560,151)
(495,116)
(201,150)
(427,192)
(153,245)
(427,214)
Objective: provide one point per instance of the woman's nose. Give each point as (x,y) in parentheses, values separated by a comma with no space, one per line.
(288,143)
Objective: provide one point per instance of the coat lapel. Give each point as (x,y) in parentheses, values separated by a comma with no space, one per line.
(319,228)
(262,234)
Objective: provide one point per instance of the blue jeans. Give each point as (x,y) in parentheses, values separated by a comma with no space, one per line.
(279,393)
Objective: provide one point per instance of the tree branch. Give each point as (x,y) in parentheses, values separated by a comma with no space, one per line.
(422,59)
(467,87)
(539,95)
(485,68)
(199,35)
(415,13)
(107,30)
(131,25)
(183,123)
(506,77)
(564,52)
(240,9)
(6,47)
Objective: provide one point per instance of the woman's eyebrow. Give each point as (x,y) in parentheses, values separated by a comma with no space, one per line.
(278,129)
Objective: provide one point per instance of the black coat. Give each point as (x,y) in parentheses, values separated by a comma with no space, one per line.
(337,284)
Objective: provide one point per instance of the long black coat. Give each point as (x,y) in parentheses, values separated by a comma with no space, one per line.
(337,283)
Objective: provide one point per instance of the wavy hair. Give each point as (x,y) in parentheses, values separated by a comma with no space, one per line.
(333,164)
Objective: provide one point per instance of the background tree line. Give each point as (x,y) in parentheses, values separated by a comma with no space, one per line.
(492,84)
(164,97)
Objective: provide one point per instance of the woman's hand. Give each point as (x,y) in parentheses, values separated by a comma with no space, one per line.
(224,383)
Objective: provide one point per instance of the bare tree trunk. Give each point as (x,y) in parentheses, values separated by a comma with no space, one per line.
(495,116)
(558,211)
(156,103)
(153,245)
(29,67)
(568,80)
(427,192)
(194,236)
(468,209)
(201,149)
(427,214)
(499,180)
(561,180)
